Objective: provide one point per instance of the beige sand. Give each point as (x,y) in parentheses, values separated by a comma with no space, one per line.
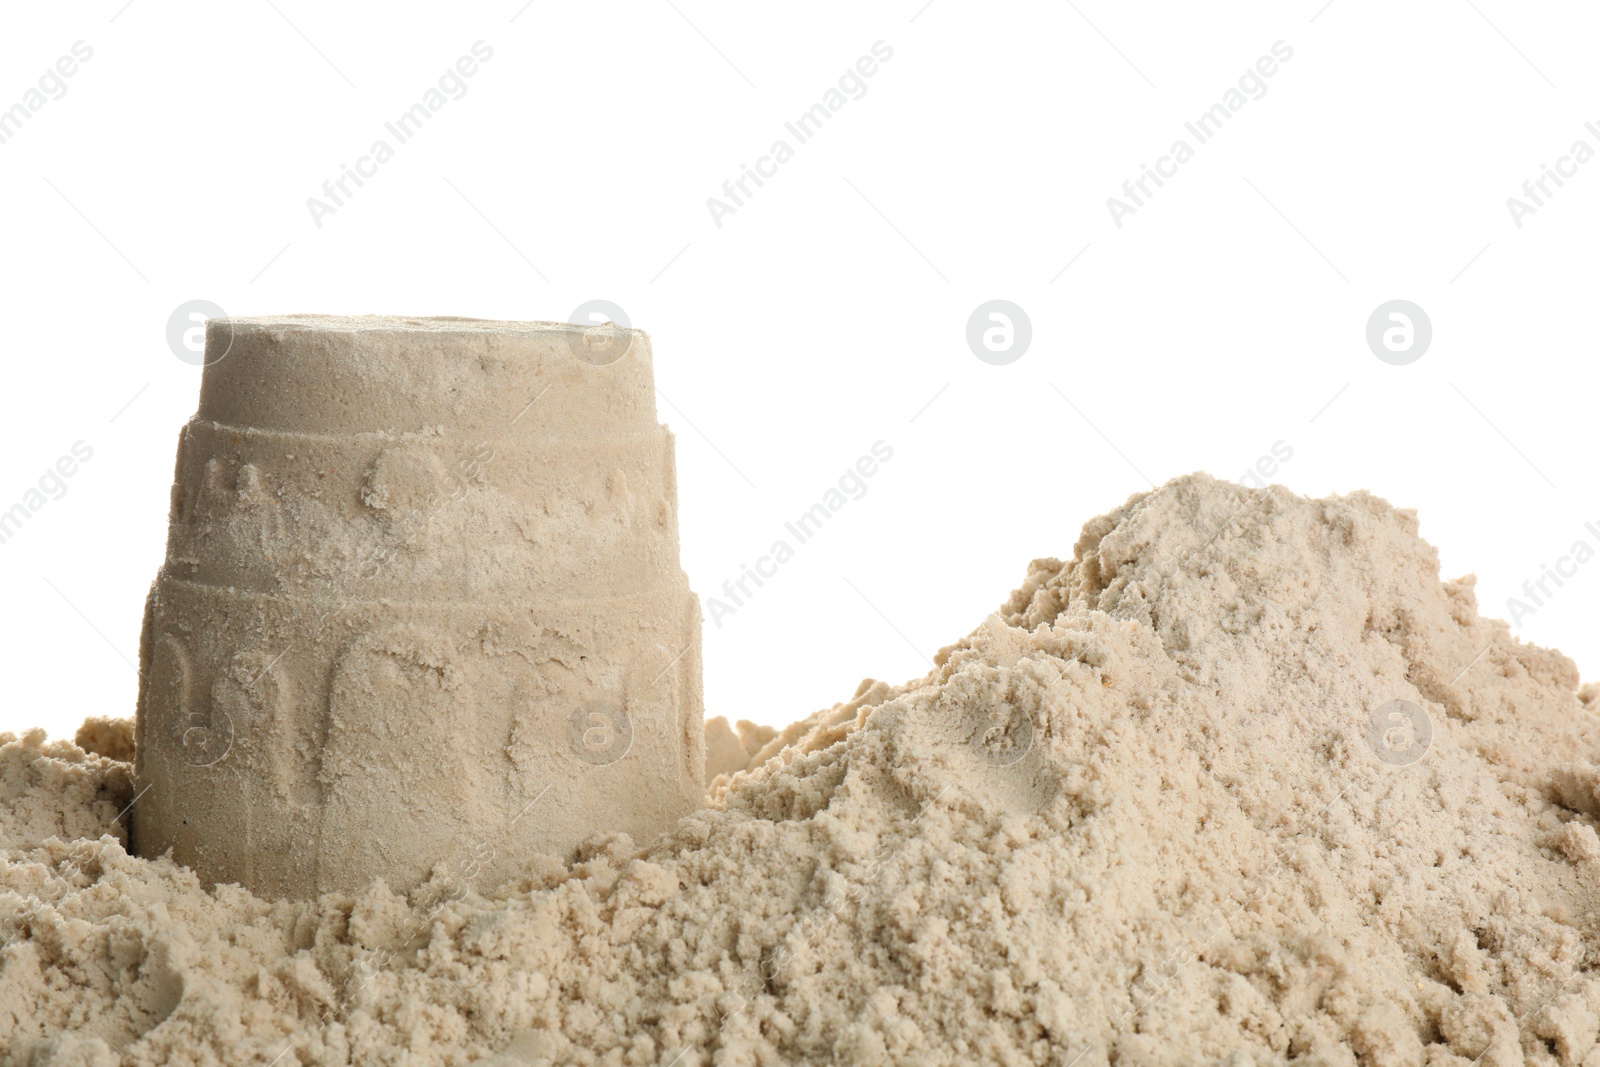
(1141,815)
(421,606)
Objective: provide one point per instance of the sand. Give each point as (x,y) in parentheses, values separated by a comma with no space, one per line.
(1243,783)
(421,606)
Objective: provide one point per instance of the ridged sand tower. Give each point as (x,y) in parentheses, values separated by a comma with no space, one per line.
(421,606)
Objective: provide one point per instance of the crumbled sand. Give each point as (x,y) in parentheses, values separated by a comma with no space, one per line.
(730,749)
(1141,815)
(103,736)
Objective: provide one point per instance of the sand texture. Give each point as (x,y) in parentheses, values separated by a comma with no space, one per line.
(1160,808)
(421,605)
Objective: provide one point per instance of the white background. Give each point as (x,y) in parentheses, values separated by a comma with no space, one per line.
(829,312)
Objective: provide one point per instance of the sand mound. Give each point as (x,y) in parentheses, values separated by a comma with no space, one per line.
(1244,782)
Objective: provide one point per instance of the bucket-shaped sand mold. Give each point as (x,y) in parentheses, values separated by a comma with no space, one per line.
(421,607)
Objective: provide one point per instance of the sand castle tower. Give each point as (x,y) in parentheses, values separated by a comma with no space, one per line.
(421,606)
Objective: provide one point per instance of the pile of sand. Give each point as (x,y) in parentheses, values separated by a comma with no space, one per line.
(1158,809)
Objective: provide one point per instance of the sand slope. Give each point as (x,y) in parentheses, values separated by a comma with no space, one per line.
(1139,816)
